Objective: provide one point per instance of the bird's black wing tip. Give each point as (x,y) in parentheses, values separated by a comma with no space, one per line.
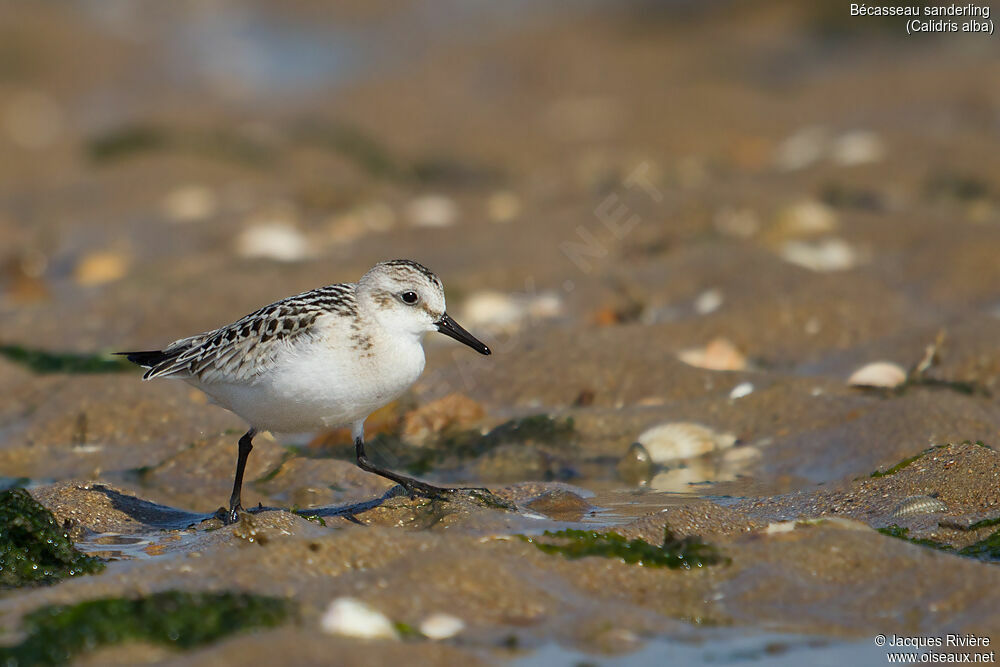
(147,359)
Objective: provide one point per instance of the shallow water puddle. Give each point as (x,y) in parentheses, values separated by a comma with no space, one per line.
(769,649)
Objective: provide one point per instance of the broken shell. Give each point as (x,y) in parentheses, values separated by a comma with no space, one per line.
(718,355)
(919,505)
(683,440)
(823,255)
(441,626)
(353,618)
(878,374)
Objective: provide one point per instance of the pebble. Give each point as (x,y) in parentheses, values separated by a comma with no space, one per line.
(636,466)
(420,426)
(878,374)
(441,626)
(824,255)
(190,203)
(432,211)
(683,440)
(351,617)
(278,241)
(101,267)
(560,505)
(718,355)
(805,218)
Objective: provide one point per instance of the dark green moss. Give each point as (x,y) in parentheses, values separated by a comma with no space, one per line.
(904,534)
(905,462)
(987,549)
(467,445)
(686,553)
(57,634)
(219,143)
(33,548)
(354,145)
(41,361)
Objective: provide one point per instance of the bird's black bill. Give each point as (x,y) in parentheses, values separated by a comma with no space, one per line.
(450,327)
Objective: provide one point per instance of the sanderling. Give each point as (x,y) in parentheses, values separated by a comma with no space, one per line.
(323,358)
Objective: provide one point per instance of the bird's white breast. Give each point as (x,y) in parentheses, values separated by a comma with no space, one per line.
(333,379)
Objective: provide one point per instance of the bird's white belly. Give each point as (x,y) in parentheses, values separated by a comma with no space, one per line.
(322,388)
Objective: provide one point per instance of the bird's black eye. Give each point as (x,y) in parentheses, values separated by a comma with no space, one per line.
(409,298)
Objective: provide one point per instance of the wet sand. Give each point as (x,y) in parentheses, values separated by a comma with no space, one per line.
(789,192)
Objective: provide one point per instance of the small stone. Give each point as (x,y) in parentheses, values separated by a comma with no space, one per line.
(878,374)
(683,440)
(719,355)
(636,466)
(560,505)
(441,626)
(432,211)
(451,412)
(351,617)
(101,267)
(190,203)
(805,218)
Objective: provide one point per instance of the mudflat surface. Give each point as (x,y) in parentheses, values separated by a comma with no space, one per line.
(704,219)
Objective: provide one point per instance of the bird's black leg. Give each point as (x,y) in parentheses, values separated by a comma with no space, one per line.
(413,486)
(235,504)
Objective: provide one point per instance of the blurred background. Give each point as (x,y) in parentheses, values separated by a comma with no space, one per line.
(695,225)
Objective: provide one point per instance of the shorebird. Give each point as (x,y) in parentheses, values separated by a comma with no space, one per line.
(324,358)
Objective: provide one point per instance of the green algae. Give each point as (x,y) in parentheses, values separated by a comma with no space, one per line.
(986,549)
(675,553)
(33,548)
(57,634)
(217,143)
(43,361)
(905,462)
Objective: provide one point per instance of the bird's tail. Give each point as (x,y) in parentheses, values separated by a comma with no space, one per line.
(146,359)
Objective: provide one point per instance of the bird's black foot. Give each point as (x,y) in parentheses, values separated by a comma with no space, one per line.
(229,516)
(415,487)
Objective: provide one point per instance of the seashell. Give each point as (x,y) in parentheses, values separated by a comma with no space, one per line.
(432,211)
(803,148)
(718,355)
(857,147)
(824,255)
(683,440)
(741,390)
(275,240)
(878,374)
(708,301)
(919,505)
(441,626)
(351,617)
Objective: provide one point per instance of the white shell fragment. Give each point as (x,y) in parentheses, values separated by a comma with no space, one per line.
(441,626)
(822,255)
(351,617)
(708,301)
(683,440)
(741,390)
(878,374)
(718,355)
(919,505)
(278,241)
(432,211)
